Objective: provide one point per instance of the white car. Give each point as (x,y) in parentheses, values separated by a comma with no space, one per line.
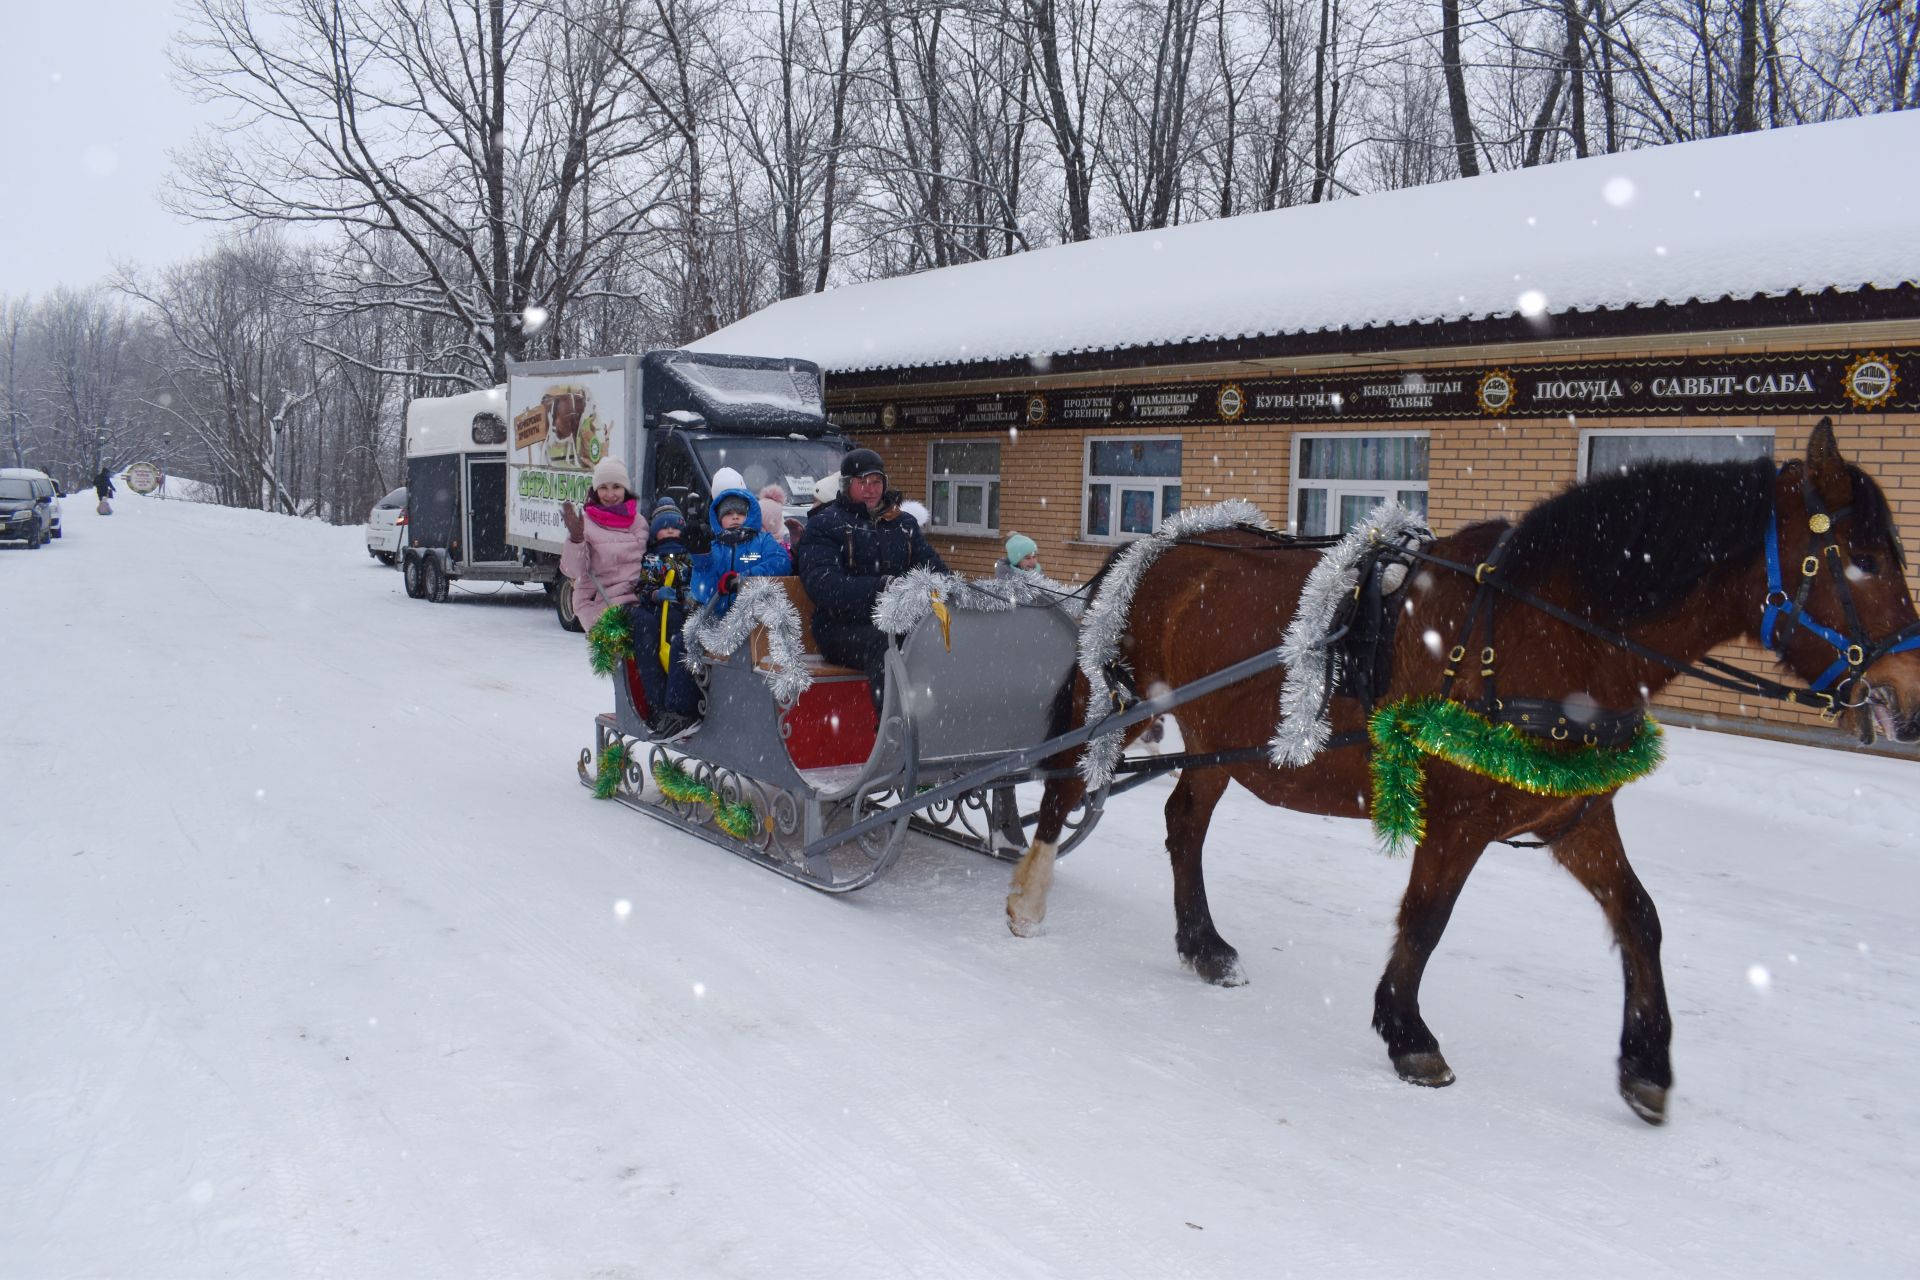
(387,527)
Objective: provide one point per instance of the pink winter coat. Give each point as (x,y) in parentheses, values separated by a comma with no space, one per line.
(614,555)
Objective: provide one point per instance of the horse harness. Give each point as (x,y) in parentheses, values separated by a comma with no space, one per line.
(1361,641)
(1546,717)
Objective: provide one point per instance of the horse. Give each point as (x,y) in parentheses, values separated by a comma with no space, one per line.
(1595,584)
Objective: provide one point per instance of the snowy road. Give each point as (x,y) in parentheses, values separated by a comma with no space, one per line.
(320,962)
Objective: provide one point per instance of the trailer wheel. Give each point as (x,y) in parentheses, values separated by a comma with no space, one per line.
(435,580)
(562,589)
(412,575)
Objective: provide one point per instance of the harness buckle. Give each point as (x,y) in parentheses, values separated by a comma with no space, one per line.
(1486,655)
(1781,603)
(1457,654)
(1856,656)
(1559,733)
(1809,566)
(1481,570)
(1819,522)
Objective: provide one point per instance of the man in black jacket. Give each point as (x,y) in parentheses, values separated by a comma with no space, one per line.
(852,548)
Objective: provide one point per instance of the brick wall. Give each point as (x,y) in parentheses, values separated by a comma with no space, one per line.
(1478,469)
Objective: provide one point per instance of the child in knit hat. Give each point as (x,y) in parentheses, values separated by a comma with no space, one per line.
(773,513)
(1023,559)
(658,649)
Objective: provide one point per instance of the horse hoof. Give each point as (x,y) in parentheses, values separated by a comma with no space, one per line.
(1220,970)
(1021,924)
(1648,1100)
(1429,1070)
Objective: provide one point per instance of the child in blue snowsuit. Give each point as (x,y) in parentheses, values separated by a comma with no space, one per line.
(741,548)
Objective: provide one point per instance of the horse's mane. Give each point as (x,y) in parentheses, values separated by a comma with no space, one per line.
(1638,542)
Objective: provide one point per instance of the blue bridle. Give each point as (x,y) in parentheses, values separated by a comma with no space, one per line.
(1857,651)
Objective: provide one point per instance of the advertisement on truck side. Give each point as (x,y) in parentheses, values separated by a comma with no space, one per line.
(563,425)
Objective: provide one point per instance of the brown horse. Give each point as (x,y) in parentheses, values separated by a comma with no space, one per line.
(1671,556)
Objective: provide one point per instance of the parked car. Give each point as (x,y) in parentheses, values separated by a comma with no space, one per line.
(29,507)
(387,527)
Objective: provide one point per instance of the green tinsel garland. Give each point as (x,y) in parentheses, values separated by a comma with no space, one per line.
(610,640)
(613,763)
(1406,730)
(737,820)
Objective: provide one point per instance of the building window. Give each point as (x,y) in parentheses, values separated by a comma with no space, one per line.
(1337,479)
(1132,485)
(963,486)
(1609,452)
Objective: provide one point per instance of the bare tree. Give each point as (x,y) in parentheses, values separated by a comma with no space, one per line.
(460,129)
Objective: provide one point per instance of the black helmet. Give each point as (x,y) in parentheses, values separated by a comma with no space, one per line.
(861,462)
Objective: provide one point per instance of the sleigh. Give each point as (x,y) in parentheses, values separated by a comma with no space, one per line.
(791,768)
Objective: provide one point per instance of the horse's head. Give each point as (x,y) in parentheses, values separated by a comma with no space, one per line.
(1838,609)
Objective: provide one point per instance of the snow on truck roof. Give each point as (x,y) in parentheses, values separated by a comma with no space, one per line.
(1805,209)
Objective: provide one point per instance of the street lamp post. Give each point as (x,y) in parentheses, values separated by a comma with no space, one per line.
(166,456)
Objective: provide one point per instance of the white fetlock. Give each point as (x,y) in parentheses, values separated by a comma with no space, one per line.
(1032,880)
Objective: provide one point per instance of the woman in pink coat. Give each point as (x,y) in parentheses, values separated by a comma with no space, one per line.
(604,545)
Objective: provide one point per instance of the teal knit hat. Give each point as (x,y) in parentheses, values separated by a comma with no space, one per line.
(1019,547)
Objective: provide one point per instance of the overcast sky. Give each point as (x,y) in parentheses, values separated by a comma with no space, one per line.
(87,117)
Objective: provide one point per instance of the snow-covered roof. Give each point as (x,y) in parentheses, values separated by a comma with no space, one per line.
(1809,208)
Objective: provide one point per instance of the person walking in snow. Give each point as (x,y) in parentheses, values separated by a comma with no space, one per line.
(740,549)
(103,485)
(605,545)
(852,548)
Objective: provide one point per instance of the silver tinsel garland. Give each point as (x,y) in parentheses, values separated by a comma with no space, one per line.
(909,597)
(1303,729)
(1107,618)
(759,602)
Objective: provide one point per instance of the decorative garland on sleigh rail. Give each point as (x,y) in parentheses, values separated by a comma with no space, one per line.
(1406,730)
(610,642)
(676,784)
(760,602)
(916,593)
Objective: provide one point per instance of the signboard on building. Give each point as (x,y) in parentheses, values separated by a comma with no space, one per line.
(1885,381)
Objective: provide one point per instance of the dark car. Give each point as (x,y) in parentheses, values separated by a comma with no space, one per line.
(28,508)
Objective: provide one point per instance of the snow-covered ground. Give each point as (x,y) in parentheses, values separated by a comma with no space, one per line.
(319,961)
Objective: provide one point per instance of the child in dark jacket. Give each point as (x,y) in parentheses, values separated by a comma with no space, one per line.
(741,548)
(665,579)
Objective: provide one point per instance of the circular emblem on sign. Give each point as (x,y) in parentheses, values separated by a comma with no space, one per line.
(1232,402)
(1870,381)
(1496,393)
(1036,411)
(143,477)
(888,416)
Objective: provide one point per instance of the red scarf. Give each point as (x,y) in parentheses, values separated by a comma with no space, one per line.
(620,517)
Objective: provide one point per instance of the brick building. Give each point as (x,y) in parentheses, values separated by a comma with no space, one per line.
(1469,348)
